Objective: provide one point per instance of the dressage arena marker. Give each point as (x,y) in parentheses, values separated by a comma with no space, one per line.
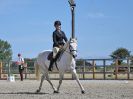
(11,78)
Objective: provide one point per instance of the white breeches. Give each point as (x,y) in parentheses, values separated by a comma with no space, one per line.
(55,51)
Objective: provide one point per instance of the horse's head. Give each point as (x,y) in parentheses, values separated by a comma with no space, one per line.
(73,47)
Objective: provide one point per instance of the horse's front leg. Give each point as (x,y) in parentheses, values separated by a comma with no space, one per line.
(60,81)
(42,79)
(77,79)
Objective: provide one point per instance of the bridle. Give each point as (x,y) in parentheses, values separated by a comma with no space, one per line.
(70,48)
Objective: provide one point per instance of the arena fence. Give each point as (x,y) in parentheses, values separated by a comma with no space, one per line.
(104,69)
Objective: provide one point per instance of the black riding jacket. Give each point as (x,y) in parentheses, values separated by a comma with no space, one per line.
(59,38)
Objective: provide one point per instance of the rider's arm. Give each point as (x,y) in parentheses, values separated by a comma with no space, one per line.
(54,38)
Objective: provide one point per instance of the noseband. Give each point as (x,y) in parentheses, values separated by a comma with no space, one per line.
(71,50)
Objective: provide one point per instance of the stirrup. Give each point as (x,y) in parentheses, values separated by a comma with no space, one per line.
(49,69)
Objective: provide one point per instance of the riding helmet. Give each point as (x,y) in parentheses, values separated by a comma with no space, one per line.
(57,23)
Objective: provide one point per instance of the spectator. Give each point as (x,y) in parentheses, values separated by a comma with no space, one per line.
(20,63)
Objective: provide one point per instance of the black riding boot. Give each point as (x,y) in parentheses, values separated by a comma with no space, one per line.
(51,65)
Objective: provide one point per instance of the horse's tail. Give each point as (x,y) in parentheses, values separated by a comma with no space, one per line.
(37,70)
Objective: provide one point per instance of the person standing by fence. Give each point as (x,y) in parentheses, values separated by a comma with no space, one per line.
(20,63)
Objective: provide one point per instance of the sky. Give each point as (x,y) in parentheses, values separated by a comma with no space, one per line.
(101,26)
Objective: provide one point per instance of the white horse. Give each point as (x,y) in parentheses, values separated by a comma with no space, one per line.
(66,62)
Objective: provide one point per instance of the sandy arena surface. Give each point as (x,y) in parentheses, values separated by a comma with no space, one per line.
(95,89)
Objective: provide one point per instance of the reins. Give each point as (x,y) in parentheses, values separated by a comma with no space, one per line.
(64,49)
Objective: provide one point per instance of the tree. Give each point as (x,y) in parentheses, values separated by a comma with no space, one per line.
(120,53)
(5,51)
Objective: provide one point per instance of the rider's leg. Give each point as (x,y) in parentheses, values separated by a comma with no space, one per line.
(51,64)
(55,51)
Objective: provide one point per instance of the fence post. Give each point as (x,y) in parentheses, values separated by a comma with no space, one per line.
(0,69)
(116,68)
(84,70)
(104,64)
(9,70)
(25,70)
(128,72)
(93,63)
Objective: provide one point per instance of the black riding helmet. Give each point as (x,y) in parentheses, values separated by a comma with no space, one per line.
(57,23)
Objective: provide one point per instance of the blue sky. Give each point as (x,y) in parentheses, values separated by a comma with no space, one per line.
(102,26)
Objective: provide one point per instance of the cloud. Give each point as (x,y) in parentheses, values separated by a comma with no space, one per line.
(96,15)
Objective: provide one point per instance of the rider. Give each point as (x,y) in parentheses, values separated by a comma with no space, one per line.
(59,39)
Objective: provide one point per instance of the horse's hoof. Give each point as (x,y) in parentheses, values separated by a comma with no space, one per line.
(83,92)
(56,91)
(38,91)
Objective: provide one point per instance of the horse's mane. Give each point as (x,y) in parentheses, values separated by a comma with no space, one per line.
(68,42)
(66,45)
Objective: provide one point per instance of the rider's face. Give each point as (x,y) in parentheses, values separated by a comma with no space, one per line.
(58,27)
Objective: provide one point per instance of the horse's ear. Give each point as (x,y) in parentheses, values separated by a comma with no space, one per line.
(75,39)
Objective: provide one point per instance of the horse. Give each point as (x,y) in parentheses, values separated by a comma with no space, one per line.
(65,63)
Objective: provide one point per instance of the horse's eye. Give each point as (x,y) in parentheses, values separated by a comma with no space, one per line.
(70,47)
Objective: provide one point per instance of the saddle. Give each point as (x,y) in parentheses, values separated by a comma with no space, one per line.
(58,56)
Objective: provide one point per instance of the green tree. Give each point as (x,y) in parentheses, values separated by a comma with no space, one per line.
(5,51)
(120,53)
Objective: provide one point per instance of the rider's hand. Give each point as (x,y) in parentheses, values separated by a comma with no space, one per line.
(60,46)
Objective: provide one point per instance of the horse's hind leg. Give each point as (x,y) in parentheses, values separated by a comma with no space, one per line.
(77,79)
(42,79)
(48,79)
